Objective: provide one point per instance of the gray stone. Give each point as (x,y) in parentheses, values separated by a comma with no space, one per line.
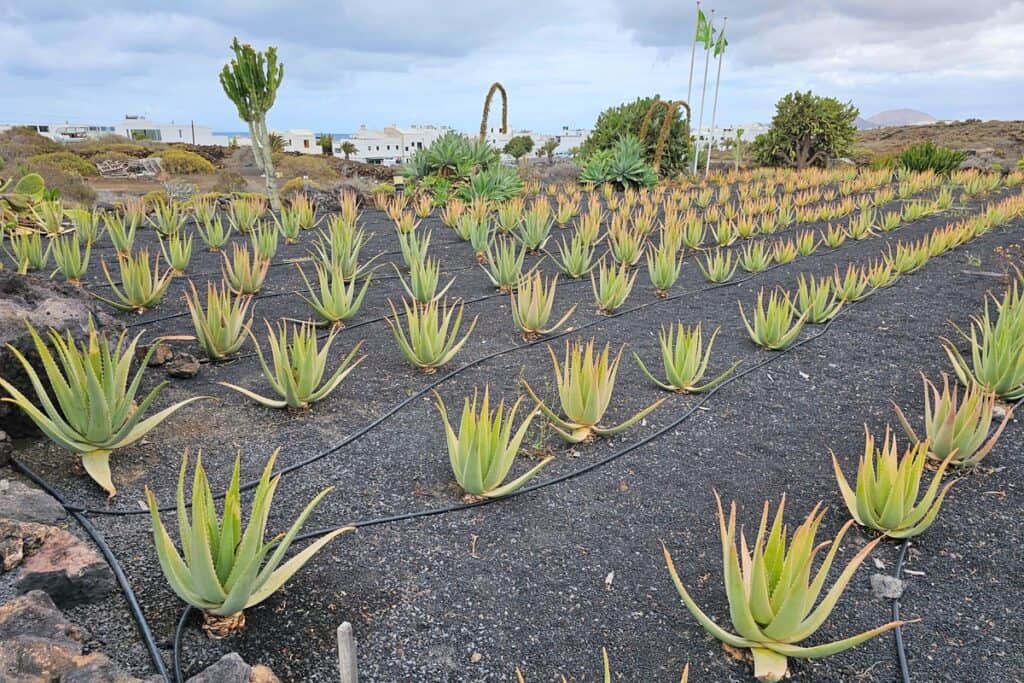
(230,668)
(886,587)
(6,449)
(25,503)
(35,616)
(70,570)
(18,539)
(183,366)
(98,668)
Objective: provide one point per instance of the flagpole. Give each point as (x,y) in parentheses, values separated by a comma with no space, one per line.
(707,62)
(693,58)
(714,107)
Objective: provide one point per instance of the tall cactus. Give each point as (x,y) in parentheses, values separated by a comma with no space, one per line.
(251,81)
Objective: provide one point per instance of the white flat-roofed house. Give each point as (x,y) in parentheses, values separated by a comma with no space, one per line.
(299,140)
(140,128)
(390,146)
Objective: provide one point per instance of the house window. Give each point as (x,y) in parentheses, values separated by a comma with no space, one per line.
(407,148)
(305,143)
(43,129)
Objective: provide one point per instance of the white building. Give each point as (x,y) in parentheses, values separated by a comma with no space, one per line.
(299,140)
(389,146)
(132,127)
(721,135)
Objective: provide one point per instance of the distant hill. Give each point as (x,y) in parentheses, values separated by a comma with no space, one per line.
(900,117)
(862,123)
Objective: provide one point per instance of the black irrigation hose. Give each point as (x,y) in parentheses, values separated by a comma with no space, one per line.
(901,653)
(108,554)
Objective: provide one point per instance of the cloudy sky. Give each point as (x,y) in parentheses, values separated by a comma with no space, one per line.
(562,61)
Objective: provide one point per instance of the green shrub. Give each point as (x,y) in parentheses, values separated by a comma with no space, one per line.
(884,161)
(69,162)
(926,156)
(230,181)
(68,186)
(807,130)
(299,185)
(497,184)
(519,146)
(154,197)
(183,162)
(316,168)
(615,122)
(452,156)
(623,166)
(383,188)
(110,156)
(22,142)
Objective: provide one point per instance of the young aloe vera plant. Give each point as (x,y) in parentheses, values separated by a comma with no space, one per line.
(177,250)
(771,593)
(414,246)
(685,359)
(755,257)
(67,254)
(997,349)
(424,277)
(816,300)
(612,286)
(244,212)
(776,323)
(299,367)
(718,266)
(585,385)
(885,497)
(852,285)
(27,250)
(244,271)
(167,218)
(625,245)
(94,411)
(531,306)
(483,451)
(223,569)
(663,268)
(504,264)
(122,235)
(340,247)
(222,324)
(141,288)
(577,257)
(333,300)
(213,233)
(264,237)
(88,224)
(49,216)
(289,225)
(535,228)
(433,334)
(510,212)
(955,428)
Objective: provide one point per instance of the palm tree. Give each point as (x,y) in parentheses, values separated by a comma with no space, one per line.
(348,148)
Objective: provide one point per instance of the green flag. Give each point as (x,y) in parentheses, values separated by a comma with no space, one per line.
(721,44)
(704,32)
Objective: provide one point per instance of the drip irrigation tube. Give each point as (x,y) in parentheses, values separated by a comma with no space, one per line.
(901,652)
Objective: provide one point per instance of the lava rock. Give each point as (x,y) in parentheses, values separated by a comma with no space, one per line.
(6,449)
(162,354)
(18,539)
(68,569)
(44,303)
(886,587)
(98,668)
(35,616)
(183,366)
(231,668)
(25,503)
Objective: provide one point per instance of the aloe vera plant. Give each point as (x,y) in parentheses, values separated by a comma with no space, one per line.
(244,271)
(406,223)
(93,410)
(816,299)
(784,251)
(612,286)
(27,250)
(414,246)
(433,336)
(585,382)
(223,569)
(663,268)
(625,245)
(49,216)
(67,254)
(264,238)
(852,285)
(531,306)
(167,218)
(755,257)
(773,600)
(885,496)
(177,251)
(806,242)
(484,449)
(289,225)
(340,247)
(334,300)
(685,359)
(955,428)
(88,224)
(509,213)
(222,324)
(213,233)
(776,323)
(299,366)
(535,227)
(910,258)
(141,287)
(718,266)
(996,349)
(244,212)
(424,277)
(122,235)
(834,236)
(504,264)
(576,257)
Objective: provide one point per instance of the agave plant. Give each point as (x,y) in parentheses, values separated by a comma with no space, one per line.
(612,286)
(585,385)
(718,266)
(213,233)
(956,429)
(299,367)
(504,264)
(67,254)
(333,300)
(223,570)
(663,268)
(424,277)
(244,271)
(27,250)
(122,235)
(816,299)
(685,359)
(93,411)
(577,257)
(885,498)
(432,340)
(531,306)
(177,251)
(773,601)
(222,324)
(264,237)
(776,323)
(141,288)
(483,451)
(88,224)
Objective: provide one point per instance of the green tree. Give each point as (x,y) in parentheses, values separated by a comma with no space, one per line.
(519,146)
(806,130)
(627,118)
(276,143)
(327,145)
(251,81)
(348,148)
(548,149)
